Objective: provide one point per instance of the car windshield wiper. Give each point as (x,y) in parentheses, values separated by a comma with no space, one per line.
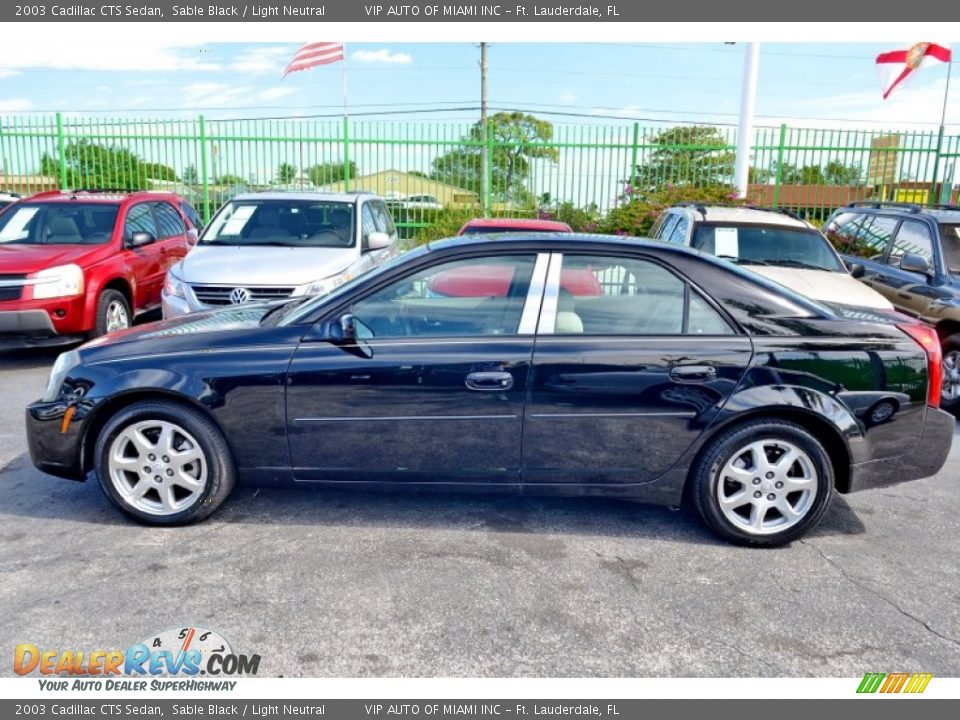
(280,310)
(741,261)
(795,263)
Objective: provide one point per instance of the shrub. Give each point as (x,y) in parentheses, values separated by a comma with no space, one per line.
(443,223)
(637,216)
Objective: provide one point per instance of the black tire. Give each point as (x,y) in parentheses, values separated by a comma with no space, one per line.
(104,302)
(705,476)
(951,344)
(220,471)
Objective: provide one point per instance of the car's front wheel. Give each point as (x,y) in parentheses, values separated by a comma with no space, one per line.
(763,483)
(164,463)
(113,313)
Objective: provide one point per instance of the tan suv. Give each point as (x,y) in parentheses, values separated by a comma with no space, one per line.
(911,256)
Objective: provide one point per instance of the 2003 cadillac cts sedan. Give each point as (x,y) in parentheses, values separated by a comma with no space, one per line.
(488,361)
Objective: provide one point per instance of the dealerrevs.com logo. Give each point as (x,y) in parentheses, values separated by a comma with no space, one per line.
(892,683)
(184,652)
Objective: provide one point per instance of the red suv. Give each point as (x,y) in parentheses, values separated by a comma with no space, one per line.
(78,264)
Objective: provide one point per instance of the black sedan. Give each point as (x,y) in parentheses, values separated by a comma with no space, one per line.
(555,364)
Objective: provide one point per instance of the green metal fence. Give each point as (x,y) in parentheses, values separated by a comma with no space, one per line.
(579,170)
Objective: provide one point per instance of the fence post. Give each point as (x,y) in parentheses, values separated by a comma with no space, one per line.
(487,201)
(346,153)
(634,156)
(203,170)
(60,153)
(935,198)
(779,174)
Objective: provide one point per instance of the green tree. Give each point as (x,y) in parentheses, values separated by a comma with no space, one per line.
(517,139)
(286,173)
(91,165)
(159,171)
(687,155)
(190,176)
(836,173)
(330,172)
(230,179)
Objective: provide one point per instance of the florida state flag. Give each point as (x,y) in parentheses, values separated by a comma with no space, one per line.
(896,66)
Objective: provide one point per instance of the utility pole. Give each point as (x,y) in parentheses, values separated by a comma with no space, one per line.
(748,101)
(484,147)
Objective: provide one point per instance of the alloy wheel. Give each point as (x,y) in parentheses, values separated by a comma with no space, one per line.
(951,376)
(157,467)
(117,317)
(767,486)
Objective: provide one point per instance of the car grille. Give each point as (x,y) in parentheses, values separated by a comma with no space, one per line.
(11,292)
(223,294)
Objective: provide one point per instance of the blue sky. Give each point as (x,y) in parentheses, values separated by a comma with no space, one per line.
(818,85)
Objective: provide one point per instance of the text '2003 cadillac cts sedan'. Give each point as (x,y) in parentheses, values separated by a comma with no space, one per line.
(673,376)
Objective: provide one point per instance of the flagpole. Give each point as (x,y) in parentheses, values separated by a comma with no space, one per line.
(945,192)
(346,124)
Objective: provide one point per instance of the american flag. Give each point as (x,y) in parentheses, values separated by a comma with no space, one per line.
(313,54)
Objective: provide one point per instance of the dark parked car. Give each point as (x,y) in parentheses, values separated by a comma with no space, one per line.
(687,377)
(911,256)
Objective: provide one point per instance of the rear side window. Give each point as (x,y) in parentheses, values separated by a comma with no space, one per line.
(664,225)
(169,222)
(874,235)
(140,219)
(631,297)
(192,215)
(842,232)
(678,234)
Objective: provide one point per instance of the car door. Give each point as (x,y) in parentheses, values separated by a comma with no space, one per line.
(624,381)
(144,262)
(434,389)
(172,239)
(911,292)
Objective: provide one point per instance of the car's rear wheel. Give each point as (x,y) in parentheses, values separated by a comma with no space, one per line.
(164,463)
(113,313)
(950,390)
(763,483)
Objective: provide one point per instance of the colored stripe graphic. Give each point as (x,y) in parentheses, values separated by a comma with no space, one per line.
(913,683)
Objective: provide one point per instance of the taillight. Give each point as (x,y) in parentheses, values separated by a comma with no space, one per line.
(927,338)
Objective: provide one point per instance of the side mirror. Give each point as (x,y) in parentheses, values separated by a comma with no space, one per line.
(343,330)
(911,262)
(141,238)
(856,270)
(377,241)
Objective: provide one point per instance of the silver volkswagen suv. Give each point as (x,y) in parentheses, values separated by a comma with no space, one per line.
(273,245)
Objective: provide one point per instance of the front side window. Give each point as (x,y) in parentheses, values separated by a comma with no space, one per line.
(842,230)
(368,223)
(950,245)
(768,245)
(913,237)
(58,224)
(463,298)
(292,223)
(169,222)
(633,297)
(381,217)
(678,234)
(140,219)
(666,226)
(874,235)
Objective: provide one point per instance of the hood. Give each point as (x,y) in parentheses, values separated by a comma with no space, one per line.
(246,317)
(832,287)
(246,266)
(22,259)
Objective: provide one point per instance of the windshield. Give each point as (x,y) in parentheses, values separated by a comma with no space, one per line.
(950,237)
(294,223)
(292,314)
(768,245)
(58,223)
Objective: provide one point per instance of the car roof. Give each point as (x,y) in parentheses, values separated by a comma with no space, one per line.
(102,196)
(744,215)
(519,223)
(304,195)
(941,213)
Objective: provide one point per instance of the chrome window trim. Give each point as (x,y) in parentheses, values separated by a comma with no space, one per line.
(531,307)
(551,296)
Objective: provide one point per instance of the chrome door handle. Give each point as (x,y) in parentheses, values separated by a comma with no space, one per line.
(693,373)
(489,381)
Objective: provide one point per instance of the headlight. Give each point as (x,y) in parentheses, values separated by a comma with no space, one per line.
(64,364)
(322,287)
(174,287)
(60,281)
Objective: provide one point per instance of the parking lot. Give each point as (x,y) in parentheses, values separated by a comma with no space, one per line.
(324,583)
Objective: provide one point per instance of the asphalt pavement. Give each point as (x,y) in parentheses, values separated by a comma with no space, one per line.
(349,583)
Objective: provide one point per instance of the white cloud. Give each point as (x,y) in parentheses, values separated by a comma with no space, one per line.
(381,56)
(4,73)
(568,96)
(268,59)
(275,93)
(12,105)
(146,54)
(224,95)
